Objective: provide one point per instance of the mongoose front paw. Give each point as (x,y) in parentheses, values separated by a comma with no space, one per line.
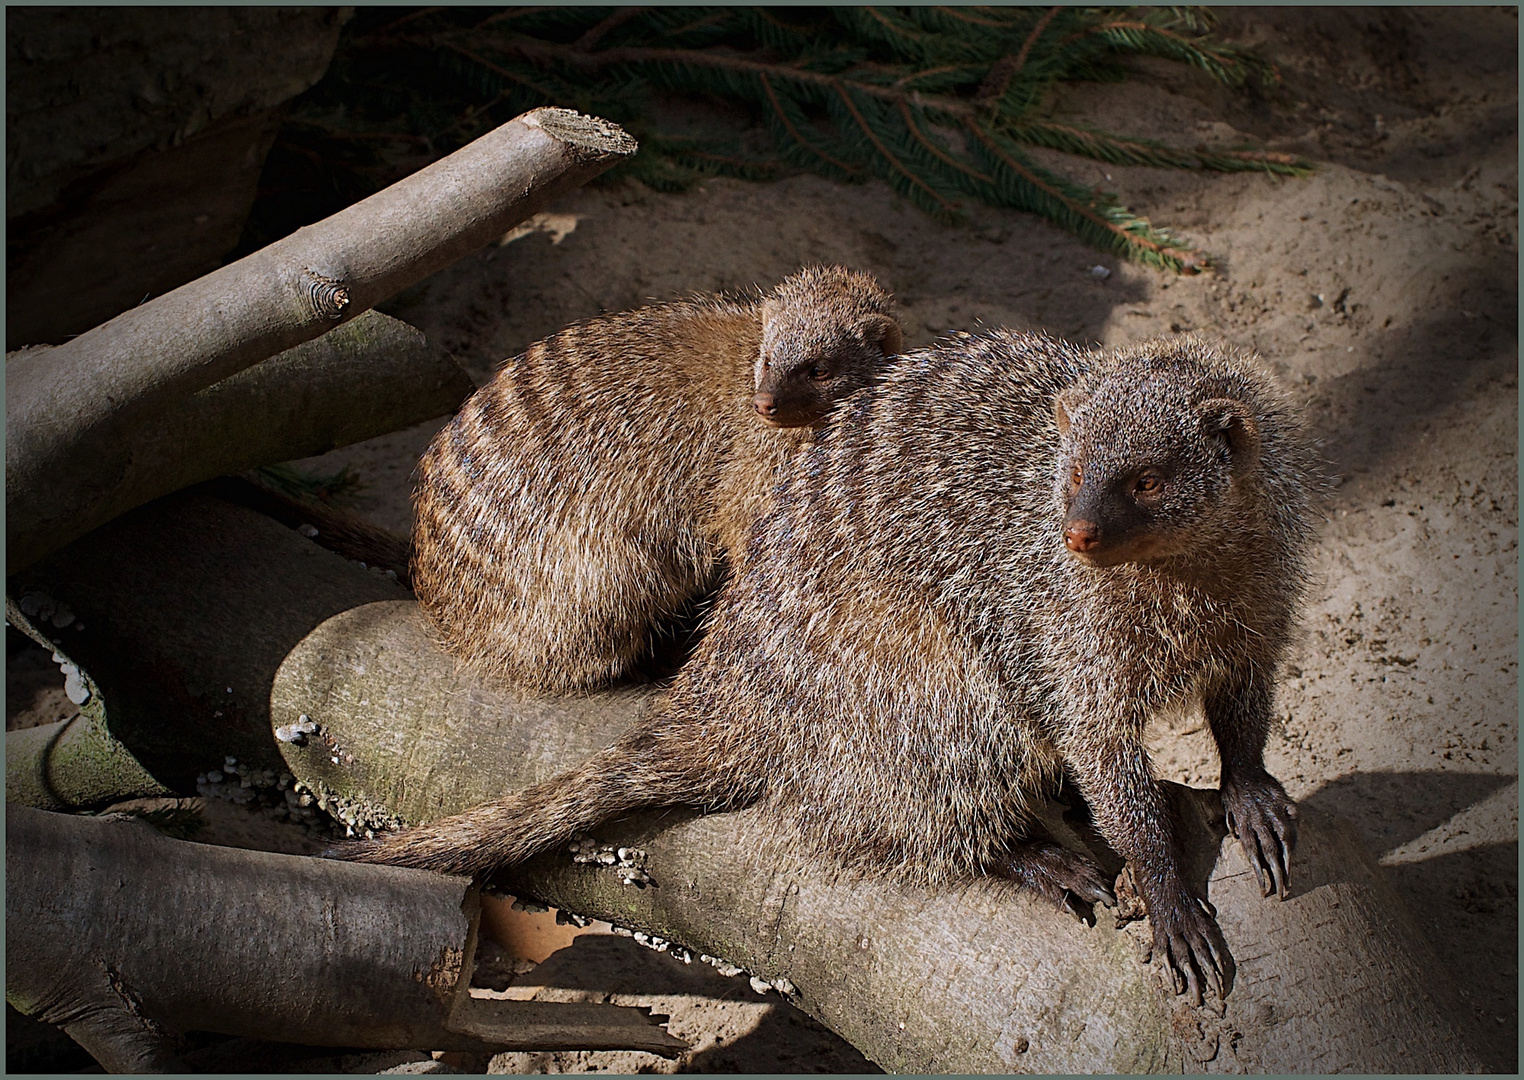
(1263,818)
(1061,875)
(1187,938)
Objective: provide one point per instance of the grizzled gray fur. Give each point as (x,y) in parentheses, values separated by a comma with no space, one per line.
(987,573)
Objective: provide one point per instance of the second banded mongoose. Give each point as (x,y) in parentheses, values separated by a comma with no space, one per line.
(598,483)
(986,574)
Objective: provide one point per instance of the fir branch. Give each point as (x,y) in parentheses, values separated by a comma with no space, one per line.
(962,15)
(797,135)
(915,130)
(1004,70)
(588,41)
(1102,146)
(506,73)
(1111,226)
(916,183)
(937,101)
(1225,65)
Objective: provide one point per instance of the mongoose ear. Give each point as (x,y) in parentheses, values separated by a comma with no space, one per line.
(886,332)
(1234,422)
(771,309)
(1065,405)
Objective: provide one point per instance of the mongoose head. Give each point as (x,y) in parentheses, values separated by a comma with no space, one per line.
(826,331)
(1150,452)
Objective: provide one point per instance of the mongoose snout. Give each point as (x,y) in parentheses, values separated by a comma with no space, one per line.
(812,359)
(1082,537)
(767,408)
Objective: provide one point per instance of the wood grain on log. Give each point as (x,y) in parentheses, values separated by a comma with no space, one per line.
(369,377)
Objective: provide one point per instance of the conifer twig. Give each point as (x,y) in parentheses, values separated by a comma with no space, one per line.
(857,92)
(999,79)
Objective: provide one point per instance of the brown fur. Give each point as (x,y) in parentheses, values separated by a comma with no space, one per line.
(595,486)
(909,652)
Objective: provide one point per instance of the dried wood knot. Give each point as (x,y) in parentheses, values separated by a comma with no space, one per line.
(328,297)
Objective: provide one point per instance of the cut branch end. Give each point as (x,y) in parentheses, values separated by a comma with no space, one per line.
(584,132)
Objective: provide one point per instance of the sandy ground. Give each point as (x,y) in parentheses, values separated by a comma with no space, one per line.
(1382,290)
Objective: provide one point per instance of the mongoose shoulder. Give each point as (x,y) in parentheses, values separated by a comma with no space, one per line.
(986,574)
(597,483)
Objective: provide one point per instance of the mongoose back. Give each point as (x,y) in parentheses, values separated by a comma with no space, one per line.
(986,574)
(598,483)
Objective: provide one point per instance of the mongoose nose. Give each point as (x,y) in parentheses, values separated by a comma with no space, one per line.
(1082,536)
(765,404)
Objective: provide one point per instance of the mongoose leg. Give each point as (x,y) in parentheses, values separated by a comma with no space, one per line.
(1131,813)
(1053,871)
(1259,812)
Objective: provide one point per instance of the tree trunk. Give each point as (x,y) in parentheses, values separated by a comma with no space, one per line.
(969,980)
(58,402)
(126,938)
(369,377)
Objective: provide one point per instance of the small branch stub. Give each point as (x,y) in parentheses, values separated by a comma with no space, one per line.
(327,296)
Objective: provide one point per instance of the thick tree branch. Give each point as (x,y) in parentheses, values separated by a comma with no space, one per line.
(973,980)
(126,938)
(282,295)
(371,376)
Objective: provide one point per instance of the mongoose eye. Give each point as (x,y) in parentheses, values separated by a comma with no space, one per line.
(1076,478)
(1147,484)
(820,372)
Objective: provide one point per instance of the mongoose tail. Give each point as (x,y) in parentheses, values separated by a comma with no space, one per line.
(645,768)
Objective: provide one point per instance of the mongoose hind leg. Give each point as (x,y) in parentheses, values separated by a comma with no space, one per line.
(1068,878)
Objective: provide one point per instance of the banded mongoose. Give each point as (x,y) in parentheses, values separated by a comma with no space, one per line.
(985,575)
(595,486)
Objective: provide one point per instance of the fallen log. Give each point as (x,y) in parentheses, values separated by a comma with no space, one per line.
(970,980)
(59,401)
(369,377)
(127,939)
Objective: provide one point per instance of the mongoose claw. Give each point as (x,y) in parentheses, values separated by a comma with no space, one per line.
(1263,818)
(1188,939)
(1057,873)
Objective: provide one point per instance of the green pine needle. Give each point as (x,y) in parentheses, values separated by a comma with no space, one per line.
(939,102)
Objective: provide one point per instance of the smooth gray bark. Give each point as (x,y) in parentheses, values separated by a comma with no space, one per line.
(968,980)
(125,938)
(59,401)
(369,377)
